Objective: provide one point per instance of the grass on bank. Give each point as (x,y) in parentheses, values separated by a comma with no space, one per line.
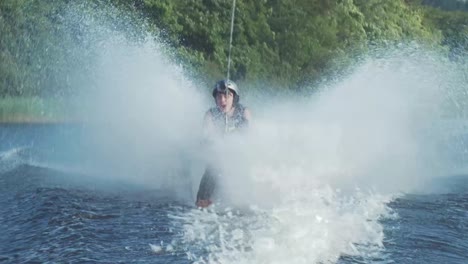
(32,110)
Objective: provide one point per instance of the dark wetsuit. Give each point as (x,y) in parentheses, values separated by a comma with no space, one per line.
(236,122)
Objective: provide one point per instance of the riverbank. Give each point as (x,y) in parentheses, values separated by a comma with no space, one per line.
(34,110)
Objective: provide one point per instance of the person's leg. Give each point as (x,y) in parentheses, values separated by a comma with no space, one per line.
(207,185)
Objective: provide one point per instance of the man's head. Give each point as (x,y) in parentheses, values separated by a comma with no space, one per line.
(226,94)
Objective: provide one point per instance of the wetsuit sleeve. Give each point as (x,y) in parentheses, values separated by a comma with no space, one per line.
(208,127)
(246,118)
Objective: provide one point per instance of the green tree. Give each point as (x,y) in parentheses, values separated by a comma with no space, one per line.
(280,43)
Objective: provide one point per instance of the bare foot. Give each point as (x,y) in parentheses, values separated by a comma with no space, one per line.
(204,203)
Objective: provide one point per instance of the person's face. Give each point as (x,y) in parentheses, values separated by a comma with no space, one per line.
(224,101)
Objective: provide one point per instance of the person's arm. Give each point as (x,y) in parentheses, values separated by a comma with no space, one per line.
(208,127)
(247,116)
(246,120)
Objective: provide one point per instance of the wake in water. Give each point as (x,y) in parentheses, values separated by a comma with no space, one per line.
(312,181)
(317,174)
(11,159)
(318,228)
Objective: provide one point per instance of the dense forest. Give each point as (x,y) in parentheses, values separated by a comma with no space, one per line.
(283,43)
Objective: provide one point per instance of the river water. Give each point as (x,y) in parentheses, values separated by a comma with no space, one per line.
(52,212)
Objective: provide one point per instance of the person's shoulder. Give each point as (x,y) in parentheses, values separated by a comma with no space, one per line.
(247,114)
(210,112)
(242,107)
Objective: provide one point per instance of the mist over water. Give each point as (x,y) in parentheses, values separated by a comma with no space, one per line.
(317,173)
(309,183)
(379,128)
(141,114)
(146,116)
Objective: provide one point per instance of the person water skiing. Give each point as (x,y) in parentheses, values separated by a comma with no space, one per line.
(227,117)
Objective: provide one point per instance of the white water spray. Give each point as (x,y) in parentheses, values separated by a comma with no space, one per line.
(320,171)
(315,175)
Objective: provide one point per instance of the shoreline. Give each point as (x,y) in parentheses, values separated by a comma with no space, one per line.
(39,121)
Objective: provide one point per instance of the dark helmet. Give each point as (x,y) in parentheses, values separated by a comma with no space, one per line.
(221,86)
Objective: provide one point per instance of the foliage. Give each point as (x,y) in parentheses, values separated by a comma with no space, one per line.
(44,50)
(284,43)
(30,47)
(279,43)
(454,27)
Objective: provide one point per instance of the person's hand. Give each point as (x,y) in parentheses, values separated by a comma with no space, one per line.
(204,203)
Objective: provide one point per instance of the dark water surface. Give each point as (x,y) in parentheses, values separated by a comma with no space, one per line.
(50,215)
(43,220)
